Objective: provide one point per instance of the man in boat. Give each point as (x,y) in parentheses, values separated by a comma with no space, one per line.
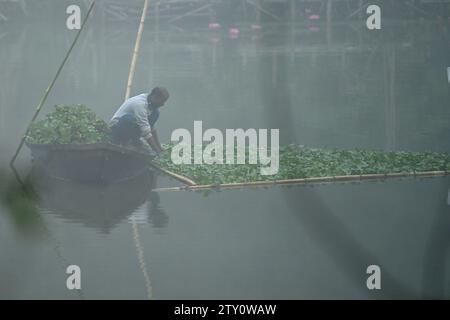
(136,118)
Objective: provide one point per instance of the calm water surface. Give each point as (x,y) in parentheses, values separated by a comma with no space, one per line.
(345,88)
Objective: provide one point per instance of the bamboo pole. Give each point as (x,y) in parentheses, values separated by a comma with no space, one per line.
(360,9)
(189,13)
(130,83)
(349,178)
(257,6)
(141,260)
(136,50)
(292,10)
(329,15)
(137,242)
(46,93)
(178,177)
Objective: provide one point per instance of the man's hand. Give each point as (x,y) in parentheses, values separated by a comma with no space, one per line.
(155,146)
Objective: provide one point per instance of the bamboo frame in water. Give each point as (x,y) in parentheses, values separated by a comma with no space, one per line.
(349,178)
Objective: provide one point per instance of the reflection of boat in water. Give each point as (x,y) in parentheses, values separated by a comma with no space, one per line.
(99,162)
(100,206)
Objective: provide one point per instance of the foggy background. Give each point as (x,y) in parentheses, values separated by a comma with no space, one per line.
(311,69)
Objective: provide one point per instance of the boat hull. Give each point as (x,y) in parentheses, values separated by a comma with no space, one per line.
(100,162)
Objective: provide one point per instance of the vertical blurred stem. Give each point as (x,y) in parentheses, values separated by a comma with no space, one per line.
(329,21)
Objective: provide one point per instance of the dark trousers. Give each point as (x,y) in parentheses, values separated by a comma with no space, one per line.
(126,131)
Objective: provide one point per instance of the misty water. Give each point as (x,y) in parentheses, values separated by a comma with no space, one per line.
(340,87)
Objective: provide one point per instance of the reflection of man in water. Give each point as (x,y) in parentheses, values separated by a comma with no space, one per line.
(136,118)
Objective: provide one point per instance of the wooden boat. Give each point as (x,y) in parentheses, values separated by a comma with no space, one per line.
(96,163)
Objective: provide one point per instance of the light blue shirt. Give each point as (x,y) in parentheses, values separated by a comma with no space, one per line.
(137,107)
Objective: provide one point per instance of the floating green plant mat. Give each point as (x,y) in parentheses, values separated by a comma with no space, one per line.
(69,124)
(298,162)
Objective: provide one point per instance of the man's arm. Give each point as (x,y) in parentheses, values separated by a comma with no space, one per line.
(155,136)
(154,143)
(146,129)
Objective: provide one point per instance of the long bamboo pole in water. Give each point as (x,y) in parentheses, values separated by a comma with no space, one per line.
(47,92)
(174,175)
(349,178)
(137,241)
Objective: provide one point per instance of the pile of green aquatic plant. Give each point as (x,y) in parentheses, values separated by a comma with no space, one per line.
(298,162)
(69,124)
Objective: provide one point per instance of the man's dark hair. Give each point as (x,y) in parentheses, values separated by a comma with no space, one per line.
(161,92)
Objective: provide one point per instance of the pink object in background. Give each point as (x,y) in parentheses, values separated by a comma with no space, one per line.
(213,26)
(256,27)
(234,33)
(314,17)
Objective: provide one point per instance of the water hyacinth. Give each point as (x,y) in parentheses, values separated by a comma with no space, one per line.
(299,162)
(78,124)
(69,124)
